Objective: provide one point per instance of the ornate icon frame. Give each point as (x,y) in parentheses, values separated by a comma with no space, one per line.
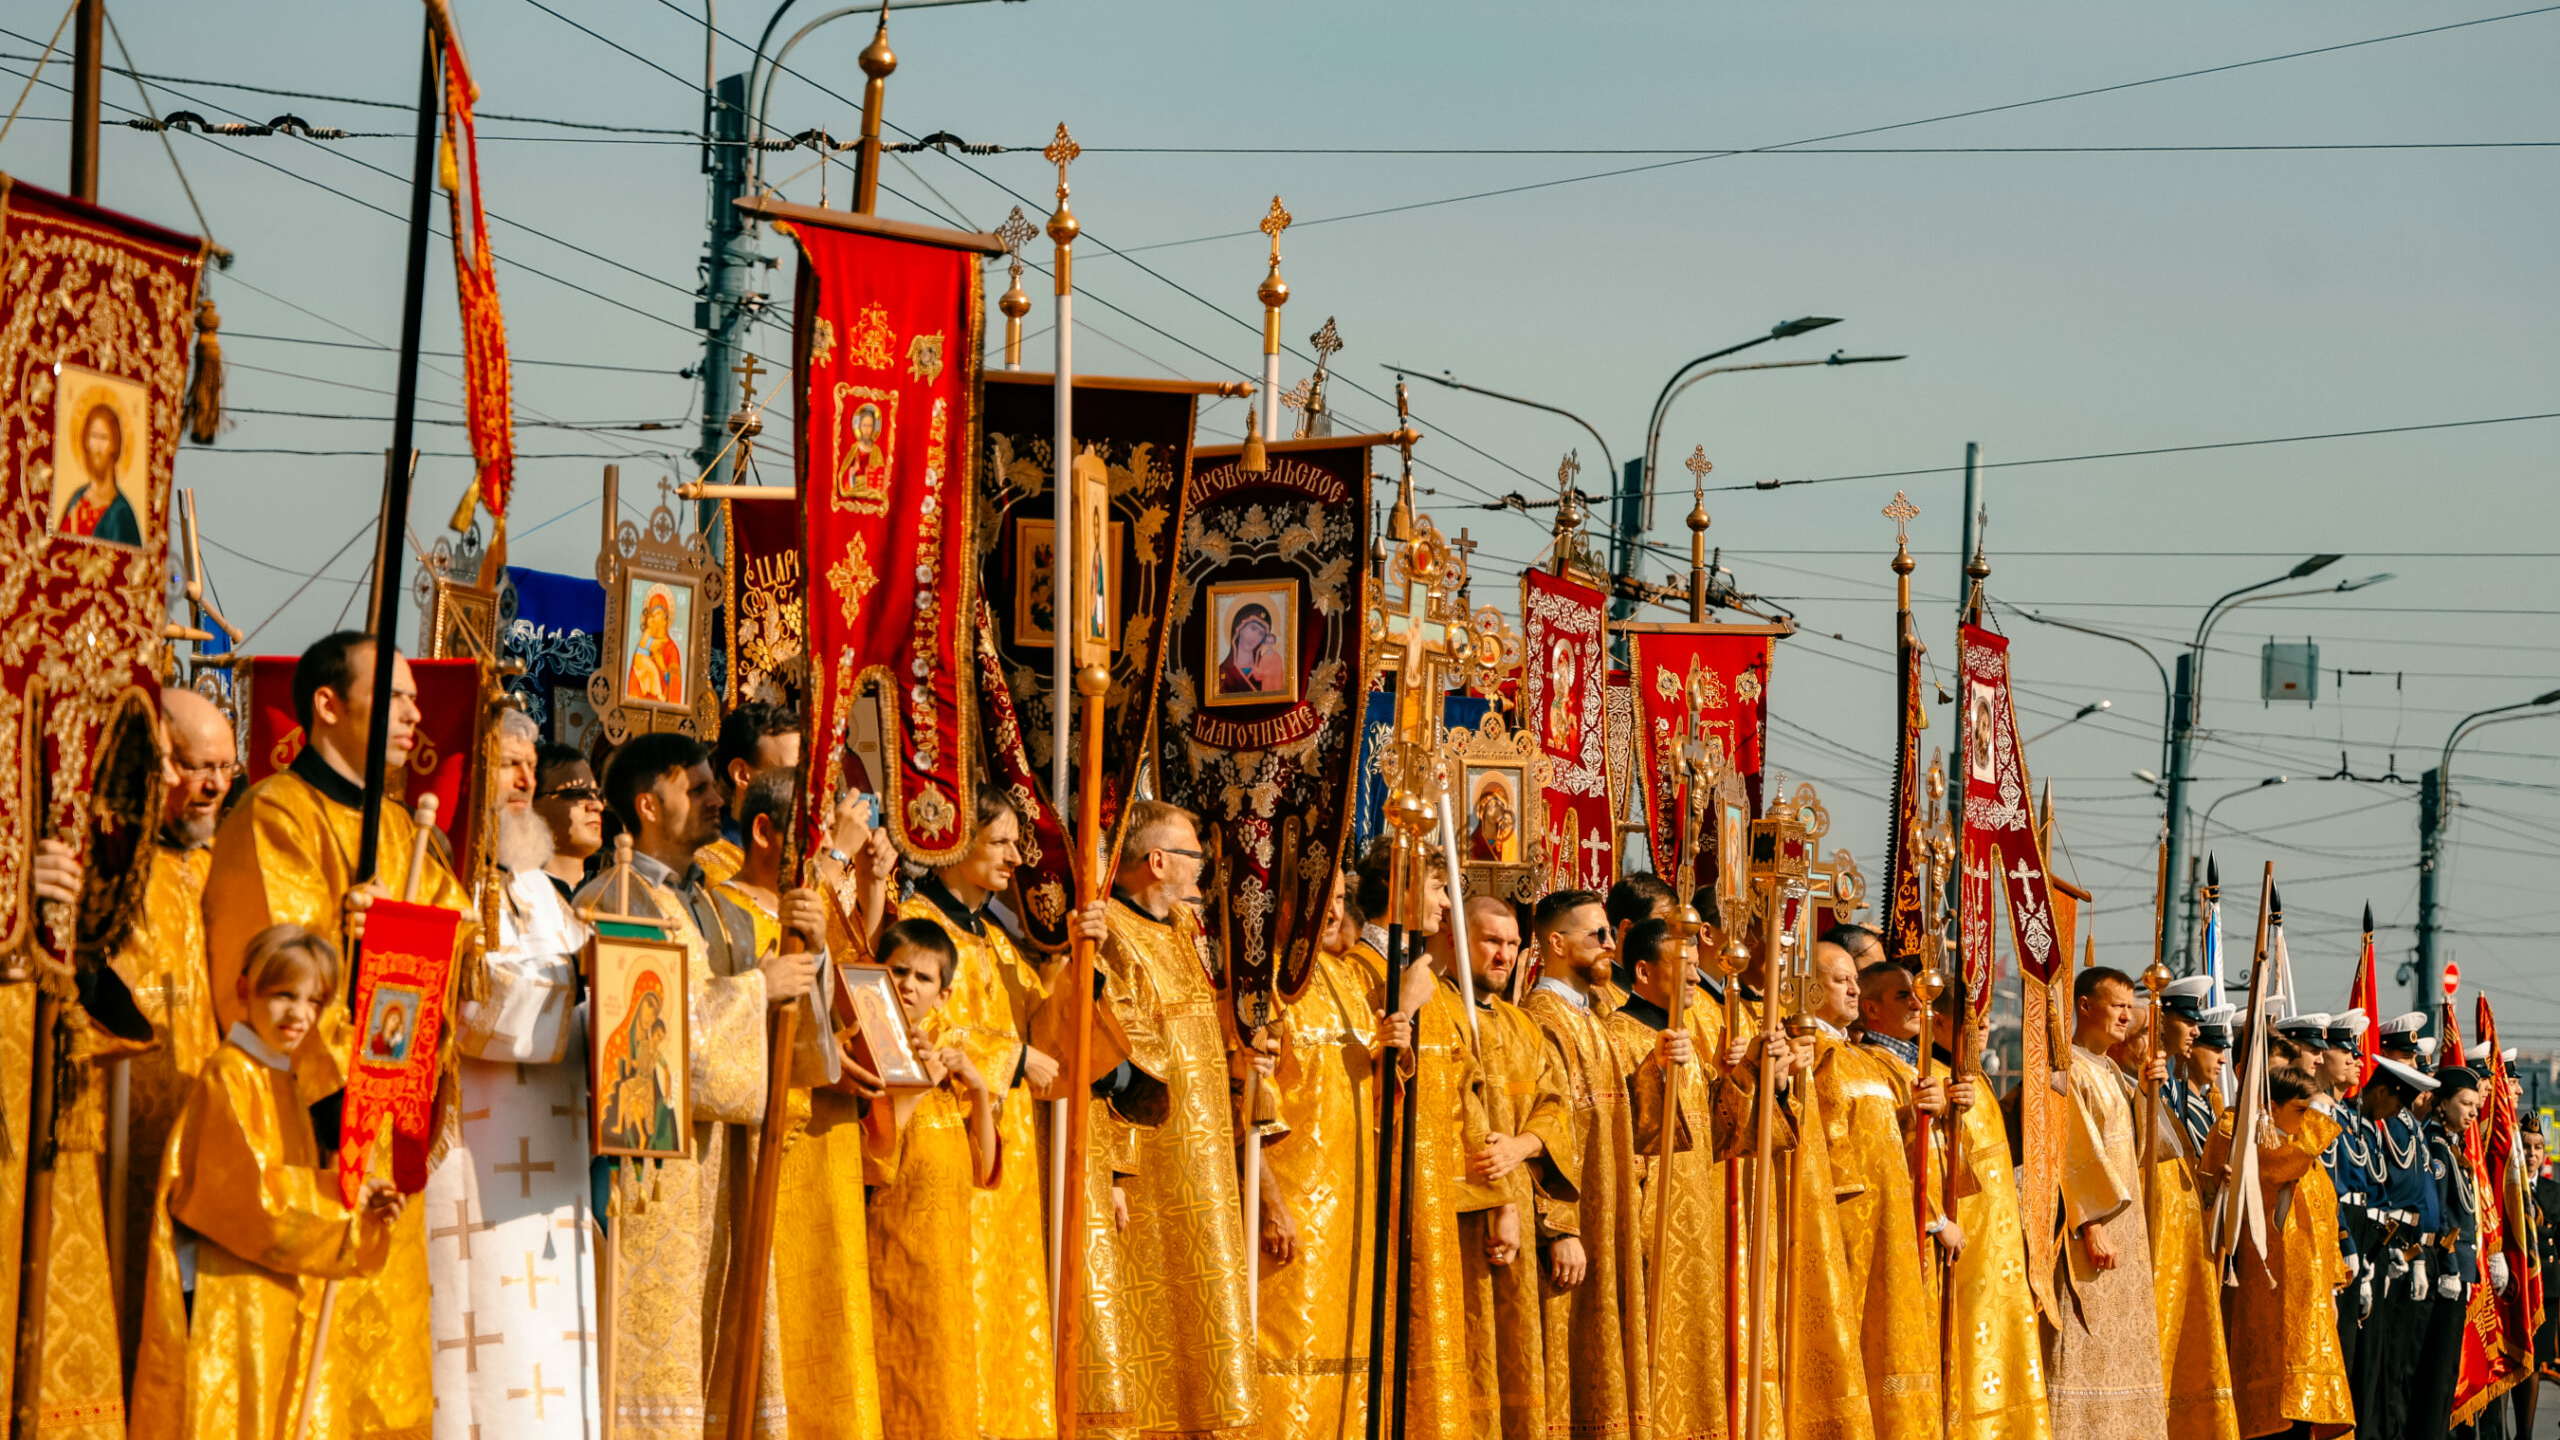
(1493,745)
(628,551)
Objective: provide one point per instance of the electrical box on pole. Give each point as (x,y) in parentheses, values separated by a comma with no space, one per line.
(2287,671)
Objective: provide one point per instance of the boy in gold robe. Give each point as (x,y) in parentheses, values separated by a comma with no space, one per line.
(988,1009)
(1319,1190)
(227,1359)
(2288,1373)
(286,854)
(944,1148)
(675,1229)
(1529,1155)
(2103,1362)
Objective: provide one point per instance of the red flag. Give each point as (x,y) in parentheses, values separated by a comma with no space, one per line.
(1563,702)
(399,1010)
(2366,998)
(2497,1340)
(487,391)
(887,415)
(1694,684)
(440,764)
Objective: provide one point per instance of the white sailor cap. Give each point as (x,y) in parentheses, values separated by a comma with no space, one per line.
(2186,996)
(2477,1054)
(2346,1029)
(2219,1014)
(2406,1075)
(2408,1024)
(2305,1030)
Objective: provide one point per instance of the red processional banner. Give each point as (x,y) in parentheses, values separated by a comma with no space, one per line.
(399,1012)
(93,379)
(888,339)
(1264,679)
(2366,997)
(762,612)
(1695,684)
(1044,884)
(1563,702)
(1906,910)
(487,389)
(2497,1335)
(443,763)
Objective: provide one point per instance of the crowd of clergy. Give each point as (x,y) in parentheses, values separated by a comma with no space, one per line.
(908,1292)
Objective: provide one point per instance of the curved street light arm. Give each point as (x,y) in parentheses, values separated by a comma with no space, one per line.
(2168,695)
(1662,408)
(2479,720)
(755,65)
(773,72)
(1457,384)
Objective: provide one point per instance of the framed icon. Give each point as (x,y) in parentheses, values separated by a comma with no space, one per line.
(101,458)
(641,1070)
(1252,643)
(1492,817)
(1035,610)
(867,1013)
(652,666)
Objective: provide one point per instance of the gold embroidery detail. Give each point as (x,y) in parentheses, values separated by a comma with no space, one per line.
(822,341)
(930,814)
(851,578)
(873,347)
(924,358)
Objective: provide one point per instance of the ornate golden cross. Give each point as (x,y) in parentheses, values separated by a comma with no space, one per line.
(1568,476)
(1062,152)
(1272,224)
(1327,341)
(1698,465)
(747,370)
(1901,512)
(1016,232)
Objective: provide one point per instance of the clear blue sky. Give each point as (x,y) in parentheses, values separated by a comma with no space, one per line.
(2052,304)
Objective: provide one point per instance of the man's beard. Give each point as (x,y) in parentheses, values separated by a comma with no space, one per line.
(191,832)
(524,841)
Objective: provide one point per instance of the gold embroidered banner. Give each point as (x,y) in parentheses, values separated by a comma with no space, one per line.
(93,375)
(1563,704)
(1707,683)
(886,411)
(1262,686)
(487,389)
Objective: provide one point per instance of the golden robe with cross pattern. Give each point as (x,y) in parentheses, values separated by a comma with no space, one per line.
(1599,1365)
(925,1314)
(1865,1092)
(287,853)
(1995,1357)
(2286,1366)
(673,1222)
(2102,1370)
(2186,1287)
(821,1310)
(1190,1265)
(163,963)
(1506,1338)
(82,1386)
(1315,1310)
(1448,1125)
(988,1012)
(1688,1399)
(242,1181)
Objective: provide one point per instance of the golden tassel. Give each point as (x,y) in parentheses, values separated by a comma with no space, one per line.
(1253,461)
(448,171)
(204,391)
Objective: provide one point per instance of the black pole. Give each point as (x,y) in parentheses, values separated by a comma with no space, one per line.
(395,481)
(88,31)
(1381,1236)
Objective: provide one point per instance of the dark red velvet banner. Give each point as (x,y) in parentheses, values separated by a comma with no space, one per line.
(1563,702)
(399,1010)
(887,416)
(1694,683)
(1997,834)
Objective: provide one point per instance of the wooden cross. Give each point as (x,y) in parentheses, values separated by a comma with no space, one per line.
(461,1229)
(538,1392)
(524,1167)
(532,1280)
(471,1342)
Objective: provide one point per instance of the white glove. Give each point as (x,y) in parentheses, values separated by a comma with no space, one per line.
(2364,1297)
(2498,1273)
(2355,1265)
(2418,1278)
(2448,1287)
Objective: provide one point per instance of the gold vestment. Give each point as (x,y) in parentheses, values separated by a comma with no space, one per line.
(925,1316)
(1315,1310)
(1865,1092)
(2283,1318)
(1599,1366)
(1506,1345)
(241,1181)
(2103,1371)
(2187,1289)
(1448,1125)
(287,853)
(988,1011)
(1995,1357)
(1189,1264)
(163,963)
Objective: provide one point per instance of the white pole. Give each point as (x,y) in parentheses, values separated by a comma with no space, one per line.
(1062,676)
(1457,921)
(1269,399)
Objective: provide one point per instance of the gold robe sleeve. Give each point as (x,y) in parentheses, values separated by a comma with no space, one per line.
(2092,1190)
(243,1191)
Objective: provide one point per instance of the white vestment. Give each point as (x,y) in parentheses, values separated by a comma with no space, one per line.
(511,1228)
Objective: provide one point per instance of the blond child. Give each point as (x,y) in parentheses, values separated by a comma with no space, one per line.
(246,1221)
(924,1321)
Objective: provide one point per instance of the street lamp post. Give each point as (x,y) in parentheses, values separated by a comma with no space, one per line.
(2435,804)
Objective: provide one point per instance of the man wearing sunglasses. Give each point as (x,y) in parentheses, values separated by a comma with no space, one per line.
(567,797)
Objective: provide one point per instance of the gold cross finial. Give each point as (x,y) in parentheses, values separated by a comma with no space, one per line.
(1901,512)
(1698,465)
(1273,224)
(747,370)
(1299,393)
(1062,153)
(1568,472)
(1327,341)
(1016,231)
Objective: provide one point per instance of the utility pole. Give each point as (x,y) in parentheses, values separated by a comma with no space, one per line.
(2182,709)
(2431,816)
(1627,527)
(728,304)
(88,39)
(1972,509)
